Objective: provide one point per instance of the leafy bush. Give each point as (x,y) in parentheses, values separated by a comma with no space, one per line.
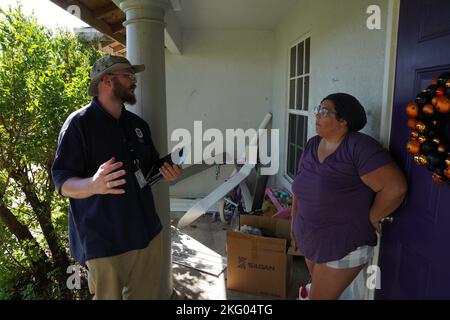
(44,76)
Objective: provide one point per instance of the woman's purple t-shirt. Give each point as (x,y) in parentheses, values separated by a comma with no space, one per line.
(333,203)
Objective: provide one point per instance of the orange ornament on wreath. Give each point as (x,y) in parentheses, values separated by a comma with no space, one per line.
(429,120)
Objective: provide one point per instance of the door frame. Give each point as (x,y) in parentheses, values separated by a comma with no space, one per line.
(392,23)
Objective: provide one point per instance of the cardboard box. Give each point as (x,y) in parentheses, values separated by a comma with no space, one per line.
(259,264)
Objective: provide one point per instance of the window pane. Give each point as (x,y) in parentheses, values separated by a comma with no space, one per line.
(293,59)
(306,94)
(297,140)
(300,130)
(298,152)
(305,132)
(300,59)
(292,128)
(292,94)
(307,54)
(291,161)
(299,94)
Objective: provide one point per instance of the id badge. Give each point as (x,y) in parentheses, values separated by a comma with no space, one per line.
(140,178)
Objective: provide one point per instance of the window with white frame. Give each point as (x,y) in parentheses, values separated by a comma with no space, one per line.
(298,96)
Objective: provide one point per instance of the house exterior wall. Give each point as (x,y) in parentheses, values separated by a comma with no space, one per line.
(345,57)
(224,79)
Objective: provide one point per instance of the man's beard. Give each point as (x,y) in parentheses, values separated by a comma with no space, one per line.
(123,93)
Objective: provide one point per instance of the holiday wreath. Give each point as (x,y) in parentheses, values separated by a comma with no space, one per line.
(429,122)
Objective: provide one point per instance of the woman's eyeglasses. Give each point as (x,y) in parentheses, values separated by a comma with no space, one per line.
(323,112)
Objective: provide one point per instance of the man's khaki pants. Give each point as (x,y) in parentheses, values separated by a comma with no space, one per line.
(133,275)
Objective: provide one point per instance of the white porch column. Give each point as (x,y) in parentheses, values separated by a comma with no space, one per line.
(145,45)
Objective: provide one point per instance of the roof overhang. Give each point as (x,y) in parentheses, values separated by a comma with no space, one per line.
(106,17)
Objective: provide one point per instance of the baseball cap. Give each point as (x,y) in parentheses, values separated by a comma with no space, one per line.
(107,64)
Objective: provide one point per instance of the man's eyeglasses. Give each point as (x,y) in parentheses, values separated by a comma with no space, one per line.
(130,75)
(323,112)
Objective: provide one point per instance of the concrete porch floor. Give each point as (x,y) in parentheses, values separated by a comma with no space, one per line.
(191,284)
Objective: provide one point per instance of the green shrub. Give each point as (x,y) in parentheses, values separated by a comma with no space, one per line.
(44,76)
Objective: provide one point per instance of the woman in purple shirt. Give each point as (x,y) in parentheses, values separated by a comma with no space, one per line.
(346,183)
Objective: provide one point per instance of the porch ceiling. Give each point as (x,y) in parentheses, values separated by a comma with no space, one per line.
(233,14)
(107,18)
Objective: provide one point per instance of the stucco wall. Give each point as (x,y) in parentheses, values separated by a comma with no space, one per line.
(345,57)
(224,79)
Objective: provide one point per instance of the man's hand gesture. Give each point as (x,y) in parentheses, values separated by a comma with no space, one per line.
(104,181)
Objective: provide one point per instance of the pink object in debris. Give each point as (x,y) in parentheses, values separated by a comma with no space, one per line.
(282,200)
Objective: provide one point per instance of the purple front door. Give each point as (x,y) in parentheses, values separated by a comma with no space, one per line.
(415,248)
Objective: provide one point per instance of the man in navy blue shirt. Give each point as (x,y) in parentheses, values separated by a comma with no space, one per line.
(103,157)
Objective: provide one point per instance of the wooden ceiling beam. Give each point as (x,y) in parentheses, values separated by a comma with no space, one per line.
(105,11)
(88,16)
(105,44)
(117,27)
(117,48)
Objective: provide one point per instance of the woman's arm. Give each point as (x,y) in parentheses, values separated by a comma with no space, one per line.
(390,185)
